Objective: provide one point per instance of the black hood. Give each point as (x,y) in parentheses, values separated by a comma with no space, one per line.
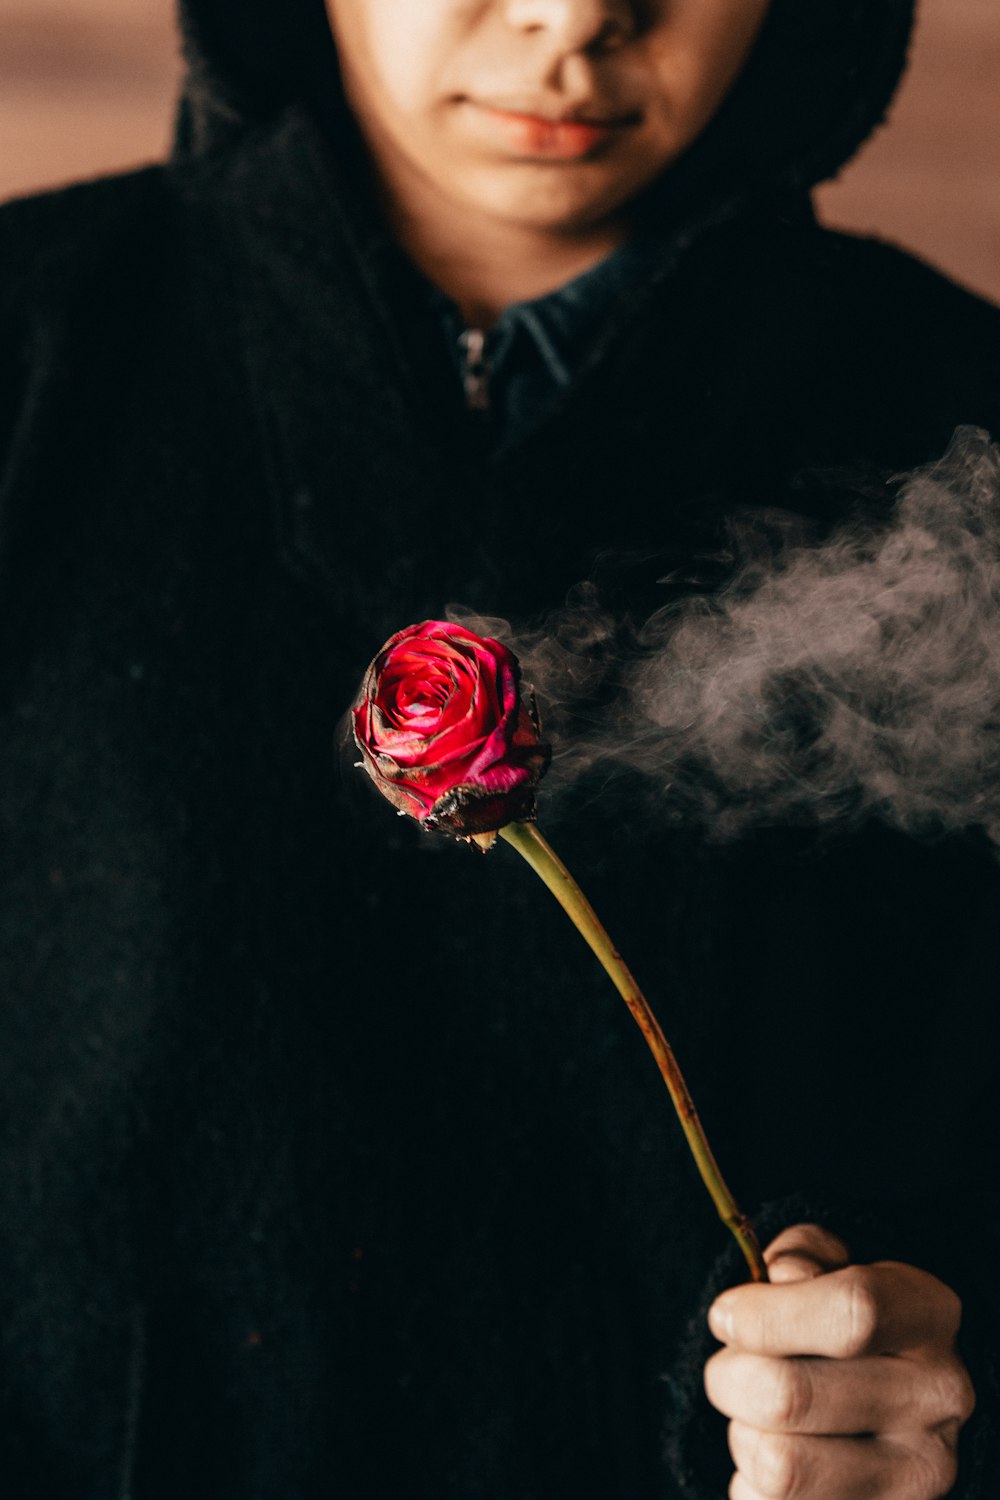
(820,80)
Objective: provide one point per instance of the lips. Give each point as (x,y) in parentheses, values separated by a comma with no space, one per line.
(531,133)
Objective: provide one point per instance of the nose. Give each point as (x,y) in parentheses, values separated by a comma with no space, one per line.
(575,25)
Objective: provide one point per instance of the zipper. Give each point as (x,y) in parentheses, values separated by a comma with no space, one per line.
(475,369)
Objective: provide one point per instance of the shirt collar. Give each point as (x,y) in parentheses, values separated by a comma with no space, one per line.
(558,329)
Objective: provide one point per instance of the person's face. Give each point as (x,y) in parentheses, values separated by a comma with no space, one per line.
(547,113)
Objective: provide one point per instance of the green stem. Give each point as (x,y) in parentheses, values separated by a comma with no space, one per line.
(529,843)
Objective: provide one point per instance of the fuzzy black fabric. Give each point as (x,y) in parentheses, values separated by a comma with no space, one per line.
(329,1166)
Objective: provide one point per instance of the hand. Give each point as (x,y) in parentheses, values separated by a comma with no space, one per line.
(840,1381)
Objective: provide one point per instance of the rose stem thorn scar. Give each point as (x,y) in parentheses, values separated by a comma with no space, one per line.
(529,843)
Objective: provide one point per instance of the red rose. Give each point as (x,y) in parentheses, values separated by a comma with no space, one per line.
(445,733)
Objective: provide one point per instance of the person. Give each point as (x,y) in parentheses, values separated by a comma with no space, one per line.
(328,1165)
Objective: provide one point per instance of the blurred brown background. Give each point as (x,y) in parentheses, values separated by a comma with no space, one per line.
(87,86)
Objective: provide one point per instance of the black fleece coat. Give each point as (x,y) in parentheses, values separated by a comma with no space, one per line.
(330,1164)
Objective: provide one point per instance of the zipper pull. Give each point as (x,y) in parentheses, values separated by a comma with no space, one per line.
(475,370)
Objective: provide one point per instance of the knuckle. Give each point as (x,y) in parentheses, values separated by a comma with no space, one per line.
(715,1379)
(951,1306)
(711,1371)
(956,1395)
(777,1471)
(790,1398)
(858,1320)
(935,1469)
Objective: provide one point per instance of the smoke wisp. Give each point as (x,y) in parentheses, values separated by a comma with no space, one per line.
(857,677)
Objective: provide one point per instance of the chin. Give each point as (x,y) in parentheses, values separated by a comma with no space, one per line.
(551,209)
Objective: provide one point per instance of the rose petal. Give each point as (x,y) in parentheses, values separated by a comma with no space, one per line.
(443,730)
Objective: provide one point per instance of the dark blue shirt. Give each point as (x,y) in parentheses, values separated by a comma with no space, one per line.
(514,373)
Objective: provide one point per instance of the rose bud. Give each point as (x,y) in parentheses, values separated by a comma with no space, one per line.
(446,734)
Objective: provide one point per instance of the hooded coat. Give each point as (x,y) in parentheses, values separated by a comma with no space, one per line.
(329,1166)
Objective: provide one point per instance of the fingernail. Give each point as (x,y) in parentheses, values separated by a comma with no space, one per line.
(720,1320)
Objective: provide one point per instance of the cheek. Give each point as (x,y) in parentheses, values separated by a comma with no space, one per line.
(395,54)
(698,56)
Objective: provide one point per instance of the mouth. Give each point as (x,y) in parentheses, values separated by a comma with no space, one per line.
(535,132)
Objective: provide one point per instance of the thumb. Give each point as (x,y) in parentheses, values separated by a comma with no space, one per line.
(803,1252)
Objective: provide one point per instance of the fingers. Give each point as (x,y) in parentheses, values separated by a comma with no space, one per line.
(835,1397)
(804,1251)
(772,1467)
(845,1314)
(840,1381)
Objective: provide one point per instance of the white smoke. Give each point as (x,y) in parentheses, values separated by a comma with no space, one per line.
(853,678)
